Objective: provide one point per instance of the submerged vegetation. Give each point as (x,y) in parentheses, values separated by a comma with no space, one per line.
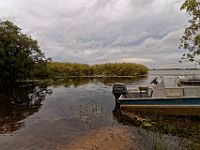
(58,69)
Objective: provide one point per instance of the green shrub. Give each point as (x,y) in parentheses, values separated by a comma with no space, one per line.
(56,69)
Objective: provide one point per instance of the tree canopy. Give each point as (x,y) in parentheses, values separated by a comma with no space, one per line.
(190,40)
(18,52)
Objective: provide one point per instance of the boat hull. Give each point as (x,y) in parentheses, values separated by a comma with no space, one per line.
(164,109)
(160,101)
(169,106)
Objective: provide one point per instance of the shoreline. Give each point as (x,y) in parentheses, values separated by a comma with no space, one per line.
(78,77)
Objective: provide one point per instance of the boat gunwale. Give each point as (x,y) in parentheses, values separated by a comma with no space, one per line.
(121,98)
(160,106)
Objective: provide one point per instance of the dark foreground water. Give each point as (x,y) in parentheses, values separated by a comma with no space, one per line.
(80,114)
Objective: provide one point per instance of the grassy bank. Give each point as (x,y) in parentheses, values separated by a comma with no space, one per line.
(185,127)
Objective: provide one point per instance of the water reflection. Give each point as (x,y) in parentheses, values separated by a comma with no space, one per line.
(68,82)
(75,82)
(77,106)
(111,80)
(17,103)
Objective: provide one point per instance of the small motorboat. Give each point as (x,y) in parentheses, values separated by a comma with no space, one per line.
(183,100)
(188,81)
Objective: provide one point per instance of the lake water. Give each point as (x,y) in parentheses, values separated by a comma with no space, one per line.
(58,115)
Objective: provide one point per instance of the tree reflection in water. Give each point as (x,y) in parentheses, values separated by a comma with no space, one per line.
(17,103)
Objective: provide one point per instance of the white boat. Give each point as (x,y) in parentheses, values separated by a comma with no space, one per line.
(186,99)
(188,81)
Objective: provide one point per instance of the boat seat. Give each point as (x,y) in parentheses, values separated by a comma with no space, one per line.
(144,91)
(143,88)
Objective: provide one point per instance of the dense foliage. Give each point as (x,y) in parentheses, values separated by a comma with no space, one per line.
(67,69)
(190,40)
(116,69)
(18,53)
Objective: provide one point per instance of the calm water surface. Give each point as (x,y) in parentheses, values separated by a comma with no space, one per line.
(45,116)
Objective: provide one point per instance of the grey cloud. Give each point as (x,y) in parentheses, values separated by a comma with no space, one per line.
(101,31)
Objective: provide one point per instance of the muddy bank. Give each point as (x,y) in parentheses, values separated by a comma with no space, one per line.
(107,138)
(122,138)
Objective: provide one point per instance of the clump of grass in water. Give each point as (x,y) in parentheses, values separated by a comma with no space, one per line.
(87,113)
(166,142)
(159,145)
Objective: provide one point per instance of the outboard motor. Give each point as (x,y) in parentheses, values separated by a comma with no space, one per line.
(154,81)
(119,89)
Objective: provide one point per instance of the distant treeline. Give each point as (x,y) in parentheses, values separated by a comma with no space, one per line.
(60,69)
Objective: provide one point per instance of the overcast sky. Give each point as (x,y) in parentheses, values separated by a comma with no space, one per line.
(100,31)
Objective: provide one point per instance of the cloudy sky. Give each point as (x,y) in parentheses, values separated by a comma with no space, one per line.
(100,31)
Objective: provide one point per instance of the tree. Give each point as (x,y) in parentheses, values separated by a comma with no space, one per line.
(18,52)
(190,40)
